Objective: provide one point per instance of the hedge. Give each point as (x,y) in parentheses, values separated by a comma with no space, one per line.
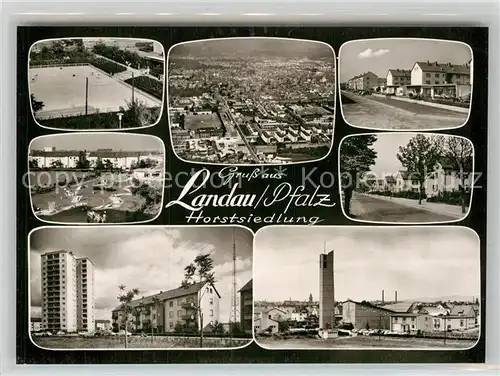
(104,120)
(452,198)
(108,66)
(403,194)
(121,56)
(147,84)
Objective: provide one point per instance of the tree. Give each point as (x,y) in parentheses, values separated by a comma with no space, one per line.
(420,158)
(199,271)
(126,309)
(33,163)
(458,156)
(283,326)
(356,157)
(156,302)
(56,164)
(36,105)
(108,165)
(218,328)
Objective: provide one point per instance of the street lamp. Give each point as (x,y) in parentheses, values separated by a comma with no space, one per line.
(120,115)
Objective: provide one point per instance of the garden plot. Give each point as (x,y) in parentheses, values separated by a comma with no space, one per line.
(63,89)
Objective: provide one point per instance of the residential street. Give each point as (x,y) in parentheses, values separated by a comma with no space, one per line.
(371,208)
(382,113)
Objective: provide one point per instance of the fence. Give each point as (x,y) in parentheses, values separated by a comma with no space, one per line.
(55,65)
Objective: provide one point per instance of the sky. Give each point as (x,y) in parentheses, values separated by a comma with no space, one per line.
(248,46)
(387,148)
(93,141)
(379,56)
(151,259)
(418,262)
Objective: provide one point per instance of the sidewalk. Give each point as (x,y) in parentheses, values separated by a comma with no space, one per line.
(446,209)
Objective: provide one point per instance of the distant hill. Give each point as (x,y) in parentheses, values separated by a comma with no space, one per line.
(448,298)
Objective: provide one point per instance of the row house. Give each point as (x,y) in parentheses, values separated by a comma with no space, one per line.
(365,81)
(167,309)
(432,317)
(436,79)
(267,320)
(442,179)
(397,79)
(71,158)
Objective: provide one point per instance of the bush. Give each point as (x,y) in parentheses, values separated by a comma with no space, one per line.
(449,102)
(147,84)
(451,198)
(104,120)
(108,66)
(120,56)
(403,194)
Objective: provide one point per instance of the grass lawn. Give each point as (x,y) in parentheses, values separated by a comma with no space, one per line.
(365,342)
(74,342)
(193,122)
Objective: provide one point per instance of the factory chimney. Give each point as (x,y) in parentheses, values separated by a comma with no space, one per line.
(396,296)
(382,296)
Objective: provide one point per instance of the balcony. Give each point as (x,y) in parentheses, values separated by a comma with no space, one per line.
(188,305)
(188,317)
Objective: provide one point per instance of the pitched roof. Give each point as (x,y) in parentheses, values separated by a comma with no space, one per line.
(462,310)
(247,287)
(399,307)
(368,305)
(390,179)
(170,294)
(400,72)
(428,66)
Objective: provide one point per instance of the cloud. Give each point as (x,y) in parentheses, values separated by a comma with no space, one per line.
(370,53)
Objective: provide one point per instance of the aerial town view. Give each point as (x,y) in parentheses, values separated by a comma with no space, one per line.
(131,287)
(251,100)
(96,83)
(405,84)
(406,177)
(82,179)
(415,287)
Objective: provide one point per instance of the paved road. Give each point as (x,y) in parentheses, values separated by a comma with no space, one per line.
(227,110)
(373,209)
(382,113)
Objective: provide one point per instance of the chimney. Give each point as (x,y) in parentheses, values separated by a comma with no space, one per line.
(395,296)
(382,296)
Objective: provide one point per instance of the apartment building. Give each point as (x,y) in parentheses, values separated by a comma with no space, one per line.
(246,306)
(168,309)
(397,78)
(364,81)
(52,158)
(85,295)
(67,292)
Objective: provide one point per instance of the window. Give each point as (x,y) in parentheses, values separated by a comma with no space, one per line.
(428,82)
(179,313)
(436,82)
(171,303)
(154,316)
(211,312)
(436,75)
(461,322)
(427,75)
(171,324)
(171,314)
(211,301)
